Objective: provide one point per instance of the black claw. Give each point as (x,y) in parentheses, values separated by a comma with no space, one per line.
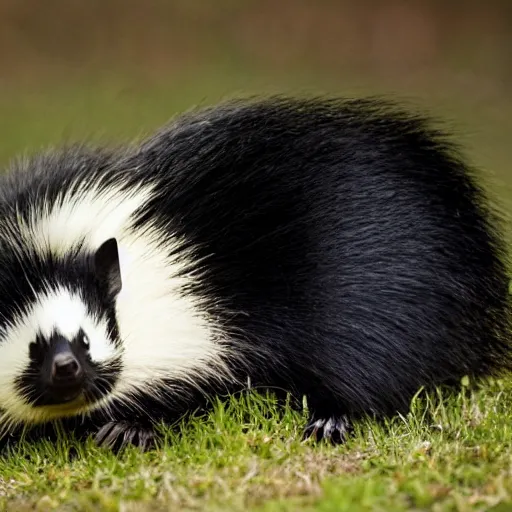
(333,429)
(118,435)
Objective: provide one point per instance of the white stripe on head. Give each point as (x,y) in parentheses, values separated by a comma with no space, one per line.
(65,313)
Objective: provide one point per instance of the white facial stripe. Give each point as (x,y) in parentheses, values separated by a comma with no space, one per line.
(59,311)
(66,314)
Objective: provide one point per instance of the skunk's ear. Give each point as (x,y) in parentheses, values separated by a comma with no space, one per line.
(106,265)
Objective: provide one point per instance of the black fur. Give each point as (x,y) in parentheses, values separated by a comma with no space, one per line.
(345,244)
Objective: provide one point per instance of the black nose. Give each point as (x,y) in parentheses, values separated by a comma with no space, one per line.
(66,369)
(63,372)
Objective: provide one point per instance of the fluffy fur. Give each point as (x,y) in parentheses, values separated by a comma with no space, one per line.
(335,249)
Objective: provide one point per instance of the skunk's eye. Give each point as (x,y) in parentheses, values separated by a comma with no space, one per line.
(85,341)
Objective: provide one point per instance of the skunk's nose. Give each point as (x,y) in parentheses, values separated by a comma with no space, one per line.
(66,369)
(63,372)
(66,372)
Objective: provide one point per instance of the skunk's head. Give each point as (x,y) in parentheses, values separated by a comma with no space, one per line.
(96,305)
(60,353)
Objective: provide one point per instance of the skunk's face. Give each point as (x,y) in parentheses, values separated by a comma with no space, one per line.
(59,351)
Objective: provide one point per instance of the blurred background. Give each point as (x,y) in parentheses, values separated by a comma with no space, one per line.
(111,70)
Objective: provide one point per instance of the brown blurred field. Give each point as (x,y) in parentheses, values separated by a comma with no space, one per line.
(113,69)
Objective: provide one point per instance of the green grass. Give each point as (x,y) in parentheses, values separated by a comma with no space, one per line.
(449,453)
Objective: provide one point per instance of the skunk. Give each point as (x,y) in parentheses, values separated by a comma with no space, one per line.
(337,249)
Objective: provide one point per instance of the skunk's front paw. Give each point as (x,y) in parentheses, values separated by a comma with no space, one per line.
(334,429)
(119,434)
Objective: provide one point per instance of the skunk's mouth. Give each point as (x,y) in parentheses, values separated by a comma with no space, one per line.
(52,402)
(65,396)
(68,399)
(23,412)
(72,406)
(76,404)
